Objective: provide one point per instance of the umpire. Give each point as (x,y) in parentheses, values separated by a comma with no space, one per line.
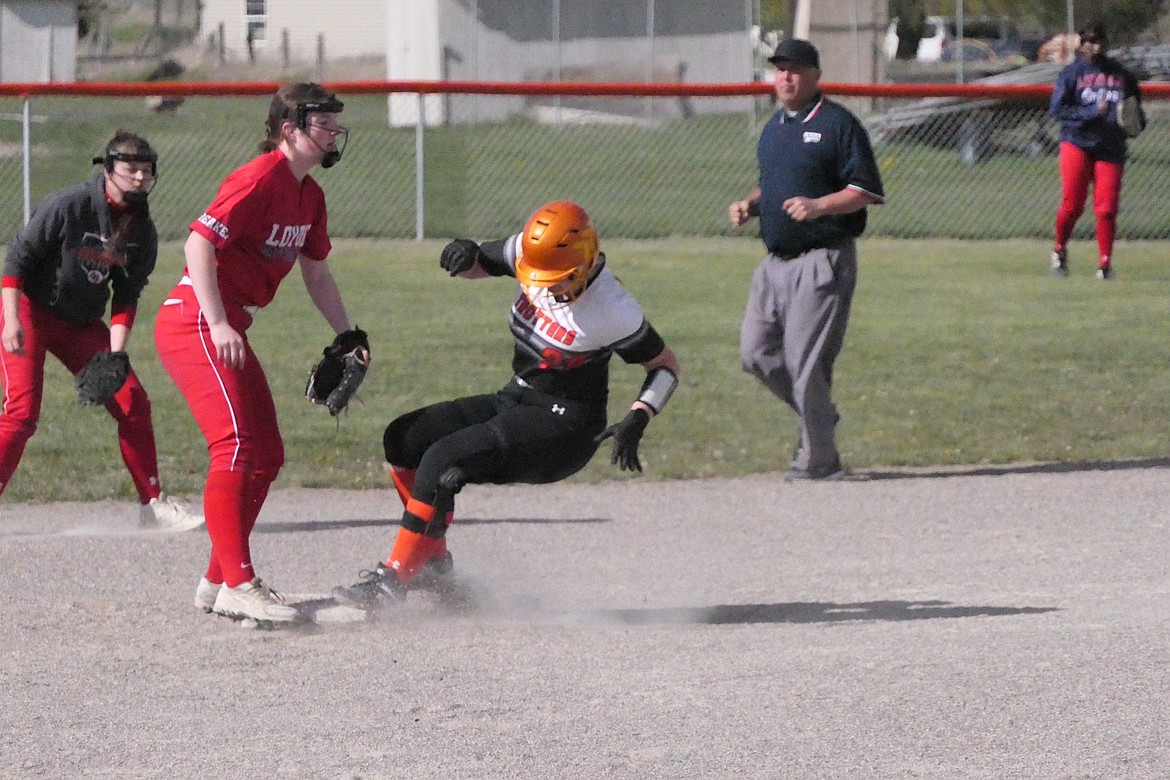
(817,176)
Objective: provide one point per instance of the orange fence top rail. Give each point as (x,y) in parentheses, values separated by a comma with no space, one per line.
(628,89)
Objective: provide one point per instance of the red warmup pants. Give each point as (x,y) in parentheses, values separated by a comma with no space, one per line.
(23,378)
(234,409)
(1078,169)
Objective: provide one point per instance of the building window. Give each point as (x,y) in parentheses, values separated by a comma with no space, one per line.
(256,18)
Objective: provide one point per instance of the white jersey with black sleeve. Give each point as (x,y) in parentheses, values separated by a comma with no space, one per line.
(564,349)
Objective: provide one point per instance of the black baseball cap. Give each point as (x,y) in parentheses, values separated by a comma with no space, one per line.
(797,51)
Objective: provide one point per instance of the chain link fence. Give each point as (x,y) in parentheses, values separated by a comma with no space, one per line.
(644,167)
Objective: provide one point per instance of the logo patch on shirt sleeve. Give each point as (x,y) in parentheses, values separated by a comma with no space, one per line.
(812,138)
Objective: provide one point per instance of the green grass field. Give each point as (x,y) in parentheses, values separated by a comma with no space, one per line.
(957,353)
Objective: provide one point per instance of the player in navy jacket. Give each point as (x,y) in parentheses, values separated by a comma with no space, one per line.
(1086,101)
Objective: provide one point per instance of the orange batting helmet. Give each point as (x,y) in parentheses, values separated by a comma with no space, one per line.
(557,248)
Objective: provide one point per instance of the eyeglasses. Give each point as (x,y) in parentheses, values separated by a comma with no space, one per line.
(334,130)
(132,171)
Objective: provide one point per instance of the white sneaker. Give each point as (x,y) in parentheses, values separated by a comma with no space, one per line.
(253,600)
(205,594)
(166,514)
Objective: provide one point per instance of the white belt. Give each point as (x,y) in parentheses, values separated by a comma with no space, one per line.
(186,282)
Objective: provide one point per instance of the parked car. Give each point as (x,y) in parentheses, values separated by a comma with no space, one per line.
(976,128)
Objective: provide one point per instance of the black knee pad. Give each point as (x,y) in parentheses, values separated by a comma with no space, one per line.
(393,440)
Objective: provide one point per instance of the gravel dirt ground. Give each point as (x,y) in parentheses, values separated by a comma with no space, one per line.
(1004,622)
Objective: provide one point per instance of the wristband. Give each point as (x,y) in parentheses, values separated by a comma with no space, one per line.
(657,389)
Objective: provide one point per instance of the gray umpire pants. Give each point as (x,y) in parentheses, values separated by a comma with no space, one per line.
(792,332)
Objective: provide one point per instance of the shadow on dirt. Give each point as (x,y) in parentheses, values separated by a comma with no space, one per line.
(812,612)
(334,525)
(1011,468)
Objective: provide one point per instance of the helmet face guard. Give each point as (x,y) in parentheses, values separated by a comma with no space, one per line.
(330,105)
(557,251)
(560,294)
(112,156)
(136,200)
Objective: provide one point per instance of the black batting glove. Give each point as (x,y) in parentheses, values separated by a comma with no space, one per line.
(459,256)
(626,436)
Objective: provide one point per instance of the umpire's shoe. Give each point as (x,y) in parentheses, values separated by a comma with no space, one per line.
(829,473)
(166,514)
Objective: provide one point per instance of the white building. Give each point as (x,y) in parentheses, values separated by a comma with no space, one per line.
(496,40)
(295,29)
(38,40)
(668,41)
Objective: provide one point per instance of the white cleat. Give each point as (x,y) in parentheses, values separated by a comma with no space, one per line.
(205,594)
(254,601)
(166,514)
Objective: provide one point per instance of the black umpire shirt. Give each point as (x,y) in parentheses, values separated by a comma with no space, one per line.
(820,150)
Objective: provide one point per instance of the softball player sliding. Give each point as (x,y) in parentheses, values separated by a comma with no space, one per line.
(268,215)
(569,317)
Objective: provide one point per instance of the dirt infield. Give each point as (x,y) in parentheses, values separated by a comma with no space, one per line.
(995,623)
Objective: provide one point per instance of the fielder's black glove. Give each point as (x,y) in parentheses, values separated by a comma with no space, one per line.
(102,377)
(459,256)
(626,436)
(340,372)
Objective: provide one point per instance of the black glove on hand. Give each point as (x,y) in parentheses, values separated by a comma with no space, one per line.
(459,256)
(626,436)
(102,377)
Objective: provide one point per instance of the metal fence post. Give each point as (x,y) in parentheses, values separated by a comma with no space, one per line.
(419,168)
(26,152)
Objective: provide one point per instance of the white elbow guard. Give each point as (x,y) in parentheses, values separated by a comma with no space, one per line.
(657,389)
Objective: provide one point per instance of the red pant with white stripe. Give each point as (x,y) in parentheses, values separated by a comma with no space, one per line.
(1078,169)
(23,378)
(234,409)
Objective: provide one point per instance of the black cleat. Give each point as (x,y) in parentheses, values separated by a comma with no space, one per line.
(1058,263)
(375,587)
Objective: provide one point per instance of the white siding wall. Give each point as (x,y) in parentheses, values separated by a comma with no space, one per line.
(351,28)
(413,52)
(444,39)
(459,47)
(38,40)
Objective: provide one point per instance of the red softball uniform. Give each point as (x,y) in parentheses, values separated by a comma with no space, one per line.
(260,221)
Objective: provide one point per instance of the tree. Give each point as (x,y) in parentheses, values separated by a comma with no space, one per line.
(88,12)
(911,16)
(777,15)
